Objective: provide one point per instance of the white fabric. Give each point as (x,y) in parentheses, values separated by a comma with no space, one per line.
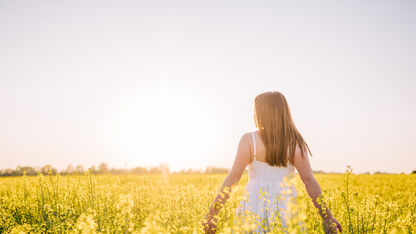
(254,144)
(263,177)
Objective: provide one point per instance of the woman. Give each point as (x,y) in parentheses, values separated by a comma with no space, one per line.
(271,154)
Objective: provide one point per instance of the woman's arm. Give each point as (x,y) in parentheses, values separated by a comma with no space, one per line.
(241,161)
(314,190)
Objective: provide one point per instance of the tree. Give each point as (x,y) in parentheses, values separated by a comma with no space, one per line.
(92,169)
(138,170)
(48,169)
(7,172)
(103,168)
(69,169)
(215,170)
(30,171)
(79,169)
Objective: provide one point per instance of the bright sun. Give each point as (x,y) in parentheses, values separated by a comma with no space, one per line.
(165,126)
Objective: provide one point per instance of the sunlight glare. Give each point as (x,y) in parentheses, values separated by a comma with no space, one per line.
(163,127)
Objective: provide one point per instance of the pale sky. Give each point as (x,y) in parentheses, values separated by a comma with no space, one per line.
(137,83)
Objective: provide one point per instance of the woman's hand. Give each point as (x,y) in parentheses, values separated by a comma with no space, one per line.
(331,225)
(241,161)
(209,224)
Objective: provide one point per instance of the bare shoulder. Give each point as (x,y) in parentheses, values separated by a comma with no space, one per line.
(245,138)
(245,147)
(245,141)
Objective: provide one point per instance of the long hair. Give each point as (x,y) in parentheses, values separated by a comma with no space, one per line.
(277,129)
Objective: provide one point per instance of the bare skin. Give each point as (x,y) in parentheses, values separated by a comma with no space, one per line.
(243,158)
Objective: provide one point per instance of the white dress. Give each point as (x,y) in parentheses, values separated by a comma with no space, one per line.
(269,179)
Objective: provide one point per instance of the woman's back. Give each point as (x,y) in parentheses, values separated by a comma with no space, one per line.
(268,190)
(259,170)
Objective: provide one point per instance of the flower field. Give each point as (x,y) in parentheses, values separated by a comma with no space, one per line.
(177,204)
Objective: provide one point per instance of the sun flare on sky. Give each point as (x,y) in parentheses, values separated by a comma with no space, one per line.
(163,126)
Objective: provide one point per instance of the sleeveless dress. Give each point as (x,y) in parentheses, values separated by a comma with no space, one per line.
(267,193)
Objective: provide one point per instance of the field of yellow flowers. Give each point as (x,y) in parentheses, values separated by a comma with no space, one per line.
(177,204)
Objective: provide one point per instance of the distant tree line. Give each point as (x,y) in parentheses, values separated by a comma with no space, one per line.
(103,168)
(208,170)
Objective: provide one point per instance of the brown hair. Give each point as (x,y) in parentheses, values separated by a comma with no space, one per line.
(277,129)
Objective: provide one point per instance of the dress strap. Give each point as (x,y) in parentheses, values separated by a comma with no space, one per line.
(254,144)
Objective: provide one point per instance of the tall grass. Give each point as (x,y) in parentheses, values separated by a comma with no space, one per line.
(177,204)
